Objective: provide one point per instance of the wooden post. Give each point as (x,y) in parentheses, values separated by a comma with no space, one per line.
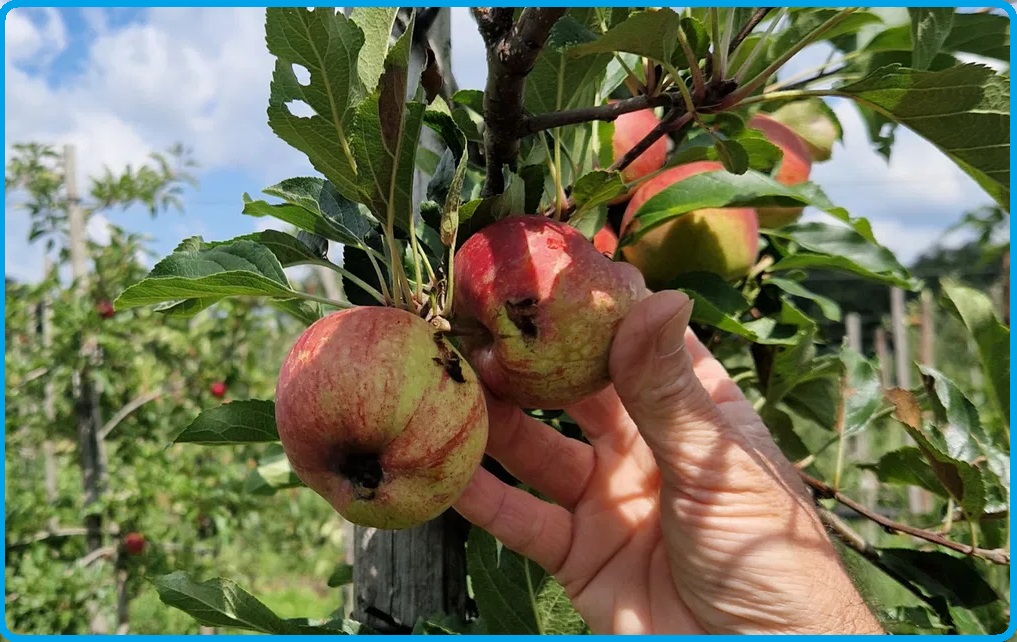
(883,356)
(919,501)
(86,395)
(402,575)
(902,365)
(859,445)
(48,402)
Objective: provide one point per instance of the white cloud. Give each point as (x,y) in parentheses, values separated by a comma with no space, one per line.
(194,75)
(99,229)
(38,40)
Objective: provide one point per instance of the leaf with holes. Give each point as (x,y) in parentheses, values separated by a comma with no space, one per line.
(328,45)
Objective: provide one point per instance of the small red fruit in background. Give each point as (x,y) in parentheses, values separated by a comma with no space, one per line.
(134,543)
(105,309)
(218,389)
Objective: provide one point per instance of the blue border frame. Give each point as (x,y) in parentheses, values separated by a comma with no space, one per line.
(6,8)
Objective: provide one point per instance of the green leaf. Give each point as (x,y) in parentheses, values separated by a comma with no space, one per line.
(733,156)
(907,467)
(955,579)
(237,422)
(288,249)
(327,45)
(241,268)
(957,419)
(514,595)
(304,311)
(782,430)
(841,248)
(862,392)
(761,154)
(963,110)
(439,118)
(718,304)
(650,33)
(341,575)
(962,480)
(307,220)
(321,197)
(982,34)
(829,307)
(376,23)
(273,473)
(991,337)
(930,27)
(386,134)
(219,602)
(595,189)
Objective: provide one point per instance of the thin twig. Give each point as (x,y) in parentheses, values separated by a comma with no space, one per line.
(124,412)
(750,24)
(860,545)
(552,119)
(674,120)
(825,491)
(99,553)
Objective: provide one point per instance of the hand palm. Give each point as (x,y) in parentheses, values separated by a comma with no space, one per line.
(603,540)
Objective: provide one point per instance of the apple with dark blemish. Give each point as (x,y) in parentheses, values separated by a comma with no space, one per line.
(381,416)
(539,305)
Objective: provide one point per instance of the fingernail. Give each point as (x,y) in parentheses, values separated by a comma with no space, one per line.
(671,337)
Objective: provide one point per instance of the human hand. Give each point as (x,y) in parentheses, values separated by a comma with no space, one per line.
(682,515)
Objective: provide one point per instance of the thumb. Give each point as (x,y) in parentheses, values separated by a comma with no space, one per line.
(655,378)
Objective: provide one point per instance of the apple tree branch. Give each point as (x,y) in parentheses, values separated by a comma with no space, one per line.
(512,50)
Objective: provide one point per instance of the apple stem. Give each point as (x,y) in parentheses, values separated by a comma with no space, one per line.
(446,307)
(415,250)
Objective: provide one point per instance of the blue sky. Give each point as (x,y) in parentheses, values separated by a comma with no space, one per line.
(120,83)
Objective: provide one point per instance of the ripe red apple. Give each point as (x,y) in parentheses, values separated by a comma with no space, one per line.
(134,543)
(546,304)
(629,129)
(218,389)
(724,241)
(794,167)
(380,415)
(606,241)
(105,309)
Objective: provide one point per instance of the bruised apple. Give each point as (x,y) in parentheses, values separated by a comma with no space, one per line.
(540,305)
(724,241)
(794,167)
(379,414)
